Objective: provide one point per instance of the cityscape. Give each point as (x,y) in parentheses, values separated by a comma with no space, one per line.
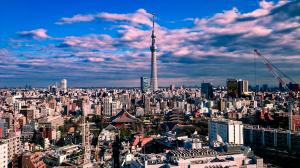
(187,84)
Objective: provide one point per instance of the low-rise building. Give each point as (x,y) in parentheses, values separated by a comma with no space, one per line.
(33,160)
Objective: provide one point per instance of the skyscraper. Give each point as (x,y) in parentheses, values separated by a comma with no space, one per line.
(63,85)
(232,88)
(207,90)
(154,85)
(242,87)
(145,84)
(107,101)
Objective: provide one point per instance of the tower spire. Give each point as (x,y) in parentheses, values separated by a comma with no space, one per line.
(154,85)
(153,17)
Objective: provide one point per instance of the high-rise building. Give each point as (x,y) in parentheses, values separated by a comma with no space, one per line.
(232,88)
(227,131)
(221,105)
(242,87)
(85,106)
(147,104)
(63,85)
(207,90)
(113,108)
(107,106)
(145,84)
(154,85)
(125,101)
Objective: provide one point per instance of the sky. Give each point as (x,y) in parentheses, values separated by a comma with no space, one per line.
(105,43)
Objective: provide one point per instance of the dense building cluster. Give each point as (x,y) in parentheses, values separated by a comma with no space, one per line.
(179,127)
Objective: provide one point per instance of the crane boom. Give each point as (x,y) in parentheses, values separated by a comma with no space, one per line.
(273,69)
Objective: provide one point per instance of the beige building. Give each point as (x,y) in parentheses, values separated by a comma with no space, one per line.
(13,146)
(3,155)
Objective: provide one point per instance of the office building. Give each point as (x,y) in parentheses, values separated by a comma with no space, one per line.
(63,85)
(242,87)
(232,88)
(207,90)
(106,106)
(225,131)
(145,84)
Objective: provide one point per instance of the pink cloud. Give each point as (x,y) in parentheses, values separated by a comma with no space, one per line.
(265,8)
(90,42)
(96,59)
(226,17)
(37,33)
(76,18)
(141,16)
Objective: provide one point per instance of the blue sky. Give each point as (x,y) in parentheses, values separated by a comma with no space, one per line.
(106,42)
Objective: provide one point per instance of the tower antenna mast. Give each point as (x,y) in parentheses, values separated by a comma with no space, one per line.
(153,83)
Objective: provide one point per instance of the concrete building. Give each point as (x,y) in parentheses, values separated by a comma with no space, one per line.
(197,158)
(13,146)
(27,133)
(203,158)
(3,128)
(3,155)
(145,84)
(107,101)
(225,131)
(283,140)
(85,106)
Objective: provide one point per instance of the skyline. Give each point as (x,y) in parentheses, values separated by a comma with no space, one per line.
(100,44)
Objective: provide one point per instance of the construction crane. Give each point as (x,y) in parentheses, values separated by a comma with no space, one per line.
(275,71)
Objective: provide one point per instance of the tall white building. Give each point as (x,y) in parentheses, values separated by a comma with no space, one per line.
(63,85)
(226,131)
(3,155)
(107,101)
(113,108)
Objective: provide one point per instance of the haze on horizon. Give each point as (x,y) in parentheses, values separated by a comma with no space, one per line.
(103,44)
